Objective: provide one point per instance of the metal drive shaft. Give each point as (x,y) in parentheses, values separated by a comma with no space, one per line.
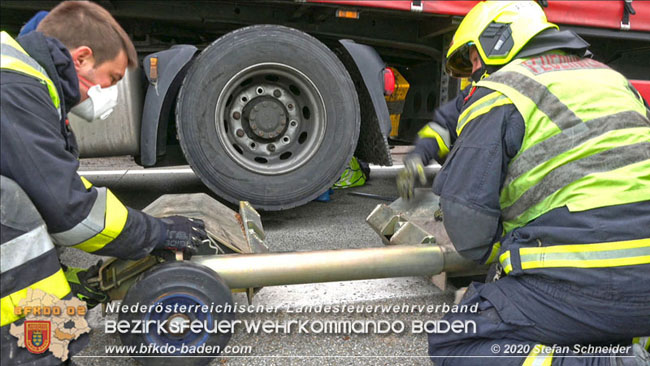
(272,269)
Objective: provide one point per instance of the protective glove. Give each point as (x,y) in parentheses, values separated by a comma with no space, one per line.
(413,167)
(81,288)
(183,234)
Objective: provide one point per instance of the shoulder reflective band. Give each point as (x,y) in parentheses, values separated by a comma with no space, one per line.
(546,102)
(480,107)
(539,357)
(16,59)
(601,255)
(24,248)
(55,284)
(103,224)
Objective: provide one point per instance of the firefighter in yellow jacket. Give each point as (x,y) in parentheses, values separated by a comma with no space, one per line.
(548,178)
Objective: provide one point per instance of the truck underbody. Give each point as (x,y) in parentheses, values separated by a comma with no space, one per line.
(409,36)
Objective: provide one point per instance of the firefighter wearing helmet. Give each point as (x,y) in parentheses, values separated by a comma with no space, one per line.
(545,176)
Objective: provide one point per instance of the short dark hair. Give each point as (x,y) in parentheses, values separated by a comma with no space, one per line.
(83,23)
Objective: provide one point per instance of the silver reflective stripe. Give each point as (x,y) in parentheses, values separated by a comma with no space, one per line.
(9,50)
(24,248)
(547,102)
(571,138)
(478,105)
(605,161)
(542,359)
(442,131)
(92,225)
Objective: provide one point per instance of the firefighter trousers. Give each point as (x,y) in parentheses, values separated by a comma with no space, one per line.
(533,321)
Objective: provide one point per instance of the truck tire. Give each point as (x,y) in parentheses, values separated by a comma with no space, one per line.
(268,114)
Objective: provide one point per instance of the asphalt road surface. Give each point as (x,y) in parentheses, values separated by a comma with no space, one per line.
(339,223)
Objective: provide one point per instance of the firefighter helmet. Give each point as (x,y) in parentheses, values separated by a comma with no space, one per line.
(498,29)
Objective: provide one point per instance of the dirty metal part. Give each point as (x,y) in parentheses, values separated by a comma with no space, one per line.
(220,221)
(228,231)
(272,269)
(116,276)
(409,233)
(383,220)
(253,230)
(418,221)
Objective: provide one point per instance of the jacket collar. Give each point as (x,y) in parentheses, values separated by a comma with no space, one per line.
(55,58)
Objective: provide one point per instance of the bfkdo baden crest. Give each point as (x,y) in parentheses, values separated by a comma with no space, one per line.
(37,335)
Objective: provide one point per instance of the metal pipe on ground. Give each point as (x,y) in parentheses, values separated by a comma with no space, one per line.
(273,269)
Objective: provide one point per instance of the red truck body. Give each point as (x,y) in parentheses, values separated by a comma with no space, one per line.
(598,14)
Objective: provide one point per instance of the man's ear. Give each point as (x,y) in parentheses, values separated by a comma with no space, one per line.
(82,57)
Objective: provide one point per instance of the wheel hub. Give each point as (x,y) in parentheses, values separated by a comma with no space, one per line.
(177,320)
(267,117)
(272,118)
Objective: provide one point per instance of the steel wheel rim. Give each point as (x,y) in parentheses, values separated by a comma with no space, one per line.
(270,118)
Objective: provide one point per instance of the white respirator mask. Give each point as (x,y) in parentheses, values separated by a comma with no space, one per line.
(99,104)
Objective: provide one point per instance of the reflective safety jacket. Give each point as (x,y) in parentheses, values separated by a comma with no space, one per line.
(586,147)
(25,241)
(38,153)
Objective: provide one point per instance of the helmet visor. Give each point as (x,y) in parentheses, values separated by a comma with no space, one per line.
(458,63)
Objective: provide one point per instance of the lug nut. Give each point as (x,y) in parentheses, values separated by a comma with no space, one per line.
(240,133)
(277,93)
(290,106)
(271,148)
(236,115)
(294,123)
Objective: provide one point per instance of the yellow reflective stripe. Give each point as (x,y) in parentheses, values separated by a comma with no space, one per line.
(87,184)
(8,62)
(644,342)
(537,358)
(55,284)
(493,254)
(429,133)
(7,39)
(116,216)
(481,107)
(504,259)
(612,254)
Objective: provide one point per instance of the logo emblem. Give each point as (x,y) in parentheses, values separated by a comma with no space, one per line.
(37,335)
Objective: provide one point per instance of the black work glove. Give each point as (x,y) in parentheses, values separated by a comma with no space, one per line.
(81,288)
(183,234)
